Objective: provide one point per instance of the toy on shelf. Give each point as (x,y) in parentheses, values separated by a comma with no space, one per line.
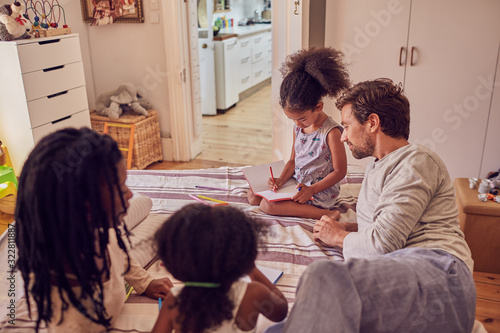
(12,24)
(45,17)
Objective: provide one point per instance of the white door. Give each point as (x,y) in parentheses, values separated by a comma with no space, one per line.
(373,35)
(287,23)
(206,54)
(449,84)
(358,28)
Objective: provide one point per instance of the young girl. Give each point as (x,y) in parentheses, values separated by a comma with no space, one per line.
(71,201)
(318,161)
(210,249)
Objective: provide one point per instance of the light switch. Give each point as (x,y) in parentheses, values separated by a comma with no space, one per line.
(155,16)
(154,4)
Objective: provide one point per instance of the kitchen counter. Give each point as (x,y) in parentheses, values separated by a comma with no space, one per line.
(245,30)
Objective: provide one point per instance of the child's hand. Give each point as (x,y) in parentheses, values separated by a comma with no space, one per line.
(273,186)
(304,194)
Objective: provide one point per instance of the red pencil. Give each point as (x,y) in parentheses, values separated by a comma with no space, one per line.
(272,177)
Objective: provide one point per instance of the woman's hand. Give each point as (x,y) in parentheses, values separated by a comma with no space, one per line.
(304,194)
(159,288)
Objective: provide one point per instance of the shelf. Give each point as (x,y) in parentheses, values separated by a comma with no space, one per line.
(222,11)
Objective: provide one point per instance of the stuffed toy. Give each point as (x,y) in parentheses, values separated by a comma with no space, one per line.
(3,157)
(127,97)
(12,23)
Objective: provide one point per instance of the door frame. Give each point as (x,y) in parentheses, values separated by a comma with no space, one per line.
(290,33)
(186,139)
(288,20)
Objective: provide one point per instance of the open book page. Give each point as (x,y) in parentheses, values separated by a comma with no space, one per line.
(257,177)
(271,274)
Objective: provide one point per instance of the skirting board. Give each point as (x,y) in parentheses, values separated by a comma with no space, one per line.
(167,148)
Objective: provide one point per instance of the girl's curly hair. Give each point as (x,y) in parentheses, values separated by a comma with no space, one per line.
(308,75)
(207,244)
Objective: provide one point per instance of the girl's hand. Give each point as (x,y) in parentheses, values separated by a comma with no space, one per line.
(273,186)
(304,194)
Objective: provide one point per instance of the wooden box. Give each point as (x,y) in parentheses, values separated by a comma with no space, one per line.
(147,141)
(480,222)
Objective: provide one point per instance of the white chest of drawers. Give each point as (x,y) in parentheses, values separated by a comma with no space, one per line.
(42,89)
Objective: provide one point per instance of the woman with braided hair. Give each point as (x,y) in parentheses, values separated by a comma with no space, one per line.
(70,234)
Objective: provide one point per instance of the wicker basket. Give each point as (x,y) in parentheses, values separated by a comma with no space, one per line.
(147,141)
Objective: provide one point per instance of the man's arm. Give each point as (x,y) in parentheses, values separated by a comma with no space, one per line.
(393,205)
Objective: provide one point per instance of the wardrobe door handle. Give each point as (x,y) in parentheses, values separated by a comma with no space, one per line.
(401,55)
(413,48)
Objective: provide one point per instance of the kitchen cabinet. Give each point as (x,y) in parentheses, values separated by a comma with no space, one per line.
(226,73)
(245,63)
(255,59)
(42,89)
(241,62)
(445,55)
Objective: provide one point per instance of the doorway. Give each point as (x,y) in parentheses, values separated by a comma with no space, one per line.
(242,134)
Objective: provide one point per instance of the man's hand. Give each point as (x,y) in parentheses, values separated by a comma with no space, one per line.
(329,232)
(158,288)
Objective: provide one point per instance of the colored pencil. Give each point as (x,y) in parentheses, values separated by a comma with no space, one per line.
(272,177)
(128,293)
(159,303)
(211,188)
(198,199)
(212,199)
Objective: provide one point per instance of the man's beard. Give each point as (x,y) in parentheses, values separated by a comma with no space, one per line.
(365,150)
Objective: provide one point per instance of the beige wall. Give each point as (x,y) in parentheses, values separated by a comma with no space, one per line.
(122,52)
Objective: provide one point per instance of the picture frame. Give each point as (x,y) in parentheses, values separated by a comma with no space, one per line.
(100,12)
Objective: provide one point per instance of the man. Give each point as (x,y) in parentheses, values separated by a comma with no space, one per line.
(408,267)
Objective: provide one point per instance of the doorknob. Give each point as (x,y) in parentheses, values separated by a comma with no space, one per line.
(204,45)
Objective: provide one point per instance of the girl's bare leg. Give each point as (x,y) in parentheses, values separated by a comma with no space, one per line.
(292,208)
(253,199)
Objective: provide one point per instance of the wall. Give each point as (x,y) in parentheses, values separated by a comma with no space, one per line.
(122,52)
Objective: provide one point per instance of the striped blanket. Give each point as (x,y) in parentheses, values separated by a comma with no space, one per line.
(289,246)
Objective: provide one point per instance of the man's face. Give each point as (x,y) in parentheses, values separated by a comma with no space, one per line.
(356,135)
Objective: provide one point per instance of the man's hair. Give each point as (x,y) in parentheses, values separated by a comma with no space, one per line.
(384,98)
(218,245)
(308,75)
(62,225)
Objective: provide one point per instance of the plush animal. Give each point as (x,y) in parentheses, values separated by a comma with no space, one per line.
(127,97)
(12,23)
(3,156)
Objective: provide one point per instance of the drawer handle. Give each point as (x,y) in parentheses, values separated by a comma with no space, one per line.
(49,41)
(245,79)
(53,68)
(62,119)
(58,94)
(244,60)
(243,44)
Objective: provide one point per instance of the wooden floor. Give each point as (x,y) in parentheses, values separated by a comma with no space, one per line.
(239,137)
(242,136)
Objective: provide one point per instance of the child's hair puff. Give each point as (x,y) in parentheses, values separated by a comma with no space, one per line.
(308,75)
(200,243)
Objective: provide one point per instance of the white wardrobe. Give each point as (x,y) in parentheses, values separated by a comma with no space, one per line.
(446,54)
